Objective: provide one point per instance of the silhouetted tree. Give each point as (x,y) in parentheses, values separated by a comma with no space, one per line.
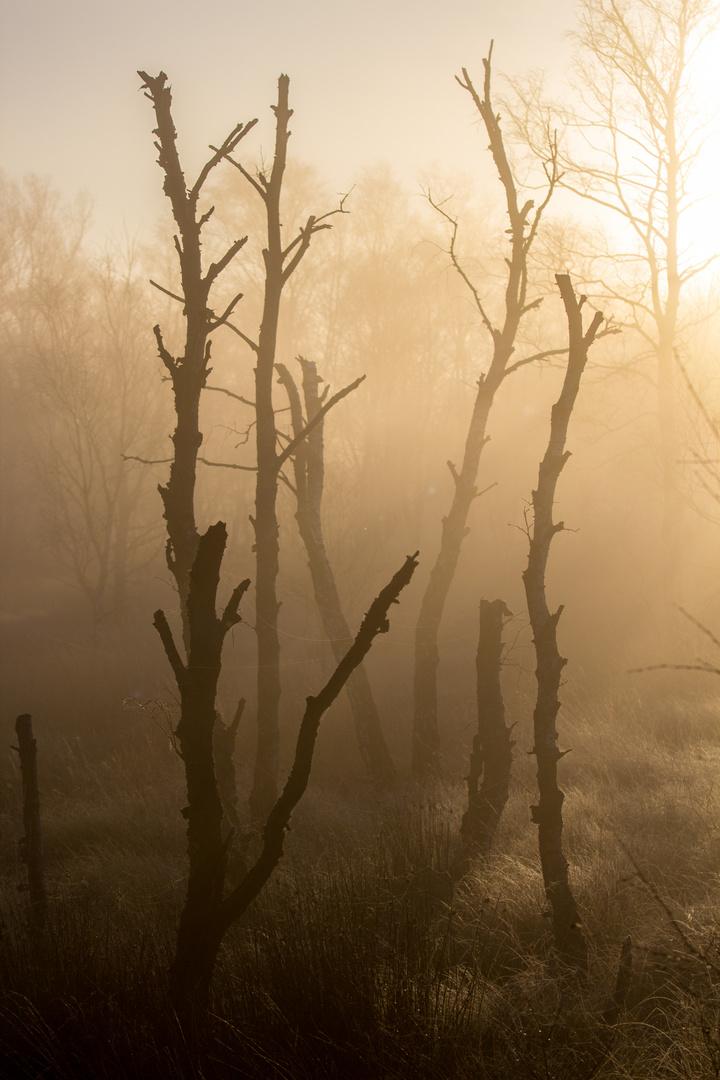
(195,561)
(309,468)
(208,911)
(524,221)
(280,262)
(188,373)
(547,815)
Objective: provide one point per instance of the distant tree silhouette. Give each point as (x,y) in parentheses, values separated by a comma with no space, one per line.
(308,469)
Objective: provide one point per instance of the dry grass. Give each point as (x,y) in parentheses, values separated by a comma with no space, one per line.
(361,958)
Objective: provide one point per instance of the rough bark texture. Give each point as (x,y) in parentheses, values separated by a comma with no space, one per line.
(193,559)
(547,815)
(197,683)
(523,229)
(308,466)
(280,264)
(31,847)
(491,756)
(188,373)
(208,914)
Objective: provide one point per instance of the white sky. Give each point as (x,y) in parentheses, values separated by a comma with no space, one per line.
(371,81)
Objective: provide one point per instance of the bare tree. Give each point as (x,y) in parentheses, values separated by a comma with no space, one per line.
(209,912)
(281,260)
(195,561)
(77,354)
(188,373)
(547,815)
(629,148)
(525,220)
(309,468)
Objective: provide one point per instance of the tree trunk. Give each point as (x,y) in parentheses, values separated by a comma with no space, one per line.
(194,561)
(265,522)
(31,847)
(224,738)
(208,915)
(197,684)
(188,373)
(522,232)
(308,462)
(547,815)
(491,756)
(426,739)
(280,263)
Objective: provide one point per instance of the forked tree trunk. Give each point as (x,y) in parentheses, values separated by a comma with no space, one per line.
(547,815)
(31,847)
(208,914)
(197,683)
(523,230)
(309,468)
(491,756)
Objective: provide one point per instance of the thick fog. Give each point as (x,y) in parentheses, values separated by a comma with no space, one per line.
(456,252)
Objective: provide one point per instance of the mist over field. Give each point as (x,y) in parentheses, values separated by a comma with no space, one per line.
(359,557)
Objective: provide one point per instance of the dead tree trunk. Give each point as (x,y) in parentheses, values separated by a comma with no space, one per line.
(547,815)
(308,465)
(522,231)
(491,756)
(208,914)
(188,373)
(280,264)
(31,848)
(197,683)
(193,559)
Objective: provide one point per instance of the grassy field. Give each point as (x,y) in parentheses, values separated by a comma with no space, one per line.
(362,958)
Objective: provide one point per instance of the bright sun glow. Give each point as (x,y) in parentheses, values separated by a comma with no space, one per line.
(700,227)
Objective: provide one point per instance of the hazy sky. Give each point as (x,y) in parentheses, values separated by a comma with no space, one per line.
(369,81)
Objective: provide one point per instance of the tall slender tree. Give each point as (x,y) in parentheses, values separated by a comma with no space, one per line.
(547,815)
(524,218)
(281,259)
(188,372)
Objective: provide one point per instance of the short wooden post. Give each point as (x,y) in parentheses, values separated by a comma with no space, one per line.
(31,849)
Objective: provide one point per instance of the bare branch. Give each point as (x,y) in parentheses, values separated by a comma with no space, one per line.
(230,616)
(248,341)
(294,443)
(222,319)
(228,465)
(146,461)
(217,267)
(172,295)
(236,397)
(163,628)
(239,132)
